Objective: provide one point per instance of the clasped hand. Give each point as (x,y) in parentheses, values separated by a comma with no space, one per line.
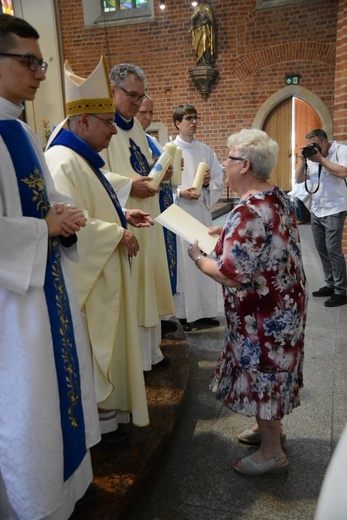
(65,220)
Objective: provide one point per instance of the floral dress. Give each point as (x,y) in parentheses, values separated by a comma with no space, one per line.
(259,372)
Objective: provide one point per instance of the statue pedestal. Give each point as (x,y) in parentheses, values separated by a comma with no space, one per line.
(204,76)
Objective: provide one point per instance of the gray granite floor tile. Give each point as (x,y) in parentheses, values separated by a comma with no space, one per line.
(197,479)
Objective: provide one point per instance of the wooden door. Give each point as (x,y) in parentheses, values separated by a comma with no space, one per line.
(305,120)
(278,125)
(292,113)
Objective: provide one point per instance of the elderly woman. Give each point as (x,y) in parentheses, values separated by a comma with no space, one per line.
(259,264)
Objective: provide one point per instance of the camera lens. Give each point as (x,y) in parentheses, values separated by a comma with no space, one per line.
(310,150)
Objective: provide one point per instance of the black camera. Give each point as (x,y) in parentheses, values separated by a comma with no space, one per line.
(310,150)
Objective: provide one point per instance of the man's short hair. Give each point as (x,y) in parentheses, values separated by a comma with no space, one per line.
(317,132)
(181,111)
(12,25)
(120,72)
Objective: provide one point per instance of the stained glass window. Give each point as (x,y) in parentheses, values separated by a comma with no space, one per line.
(114,6)
(7,7)
(117,12)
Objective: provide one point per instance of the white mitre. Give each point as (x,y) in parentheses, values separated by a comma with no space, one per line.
(85,96)
(88,96)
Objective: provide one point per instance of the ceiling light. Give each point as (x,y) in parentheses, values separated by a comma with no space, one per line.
(194,3)
(162,4)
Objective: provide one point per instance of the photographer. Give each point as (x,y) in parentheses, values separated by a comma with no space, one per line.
(323,167)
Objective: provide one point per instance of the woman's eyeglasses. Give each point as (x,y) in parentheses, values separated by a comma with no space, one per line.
(231,158)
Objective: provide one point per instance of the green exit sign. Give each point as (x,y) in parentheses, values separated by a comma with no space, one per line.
(293,79)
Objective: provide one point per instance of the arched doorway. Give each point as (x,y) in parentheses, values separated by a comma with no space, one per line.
(278,125)
(288,124)
(287,117)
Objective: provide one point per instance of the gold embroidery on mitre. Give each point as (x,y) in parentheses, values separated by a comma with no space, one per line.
(89,106)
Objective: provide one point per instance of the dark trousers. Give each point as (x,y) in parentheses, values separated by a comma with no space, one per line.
(327,234)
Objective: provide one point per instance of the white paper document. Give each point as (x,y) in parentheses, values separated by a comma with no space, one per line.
(187,227)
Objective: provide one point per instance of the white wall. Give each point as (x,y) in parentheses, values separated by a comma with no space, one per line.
(48,104)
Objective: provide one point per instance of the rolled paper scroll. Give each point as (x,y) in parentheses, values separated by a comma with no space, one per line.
(159,169)
(199,177)
(177,167)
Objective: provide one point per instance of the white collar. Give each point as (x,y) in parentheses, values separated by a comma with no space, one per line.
(9,110)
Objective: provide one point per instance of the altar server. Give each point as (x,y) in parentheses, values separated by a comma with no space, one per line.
(48,414)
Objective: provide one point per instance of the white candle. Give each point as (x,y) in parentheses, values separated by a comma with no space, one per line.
(199,177)
(170,148)
(159,169)
(177,167)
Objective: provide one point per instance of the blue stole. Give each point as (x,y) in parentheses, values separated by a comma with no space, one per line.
(35,203)
(153,146)
(72,141)
(165,200)
(140,165)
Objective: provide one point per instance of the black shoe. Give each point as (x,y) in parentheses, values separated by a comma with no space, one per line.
(116,438)
(163,363)
(168,326)
(185,325)
(336,300)
(212,322)
(324,291)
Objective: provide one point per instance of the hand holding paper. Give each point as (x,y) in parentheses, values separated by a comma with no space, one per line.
(187,227)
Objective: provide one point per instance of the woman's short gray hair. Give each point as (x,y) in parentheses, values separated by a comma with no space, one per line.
(120,72)
(259,148)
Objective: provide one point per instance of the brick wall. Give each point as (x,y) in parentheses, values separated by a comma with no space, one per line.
(256,49)
(340,99)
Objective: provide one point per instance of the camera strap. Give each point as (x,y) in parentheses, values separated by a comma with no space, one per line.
(319,173)
(337,160)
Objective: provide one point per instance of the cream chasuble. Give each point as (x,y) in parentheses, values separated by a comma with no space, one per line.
(105,288)
(150,270)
